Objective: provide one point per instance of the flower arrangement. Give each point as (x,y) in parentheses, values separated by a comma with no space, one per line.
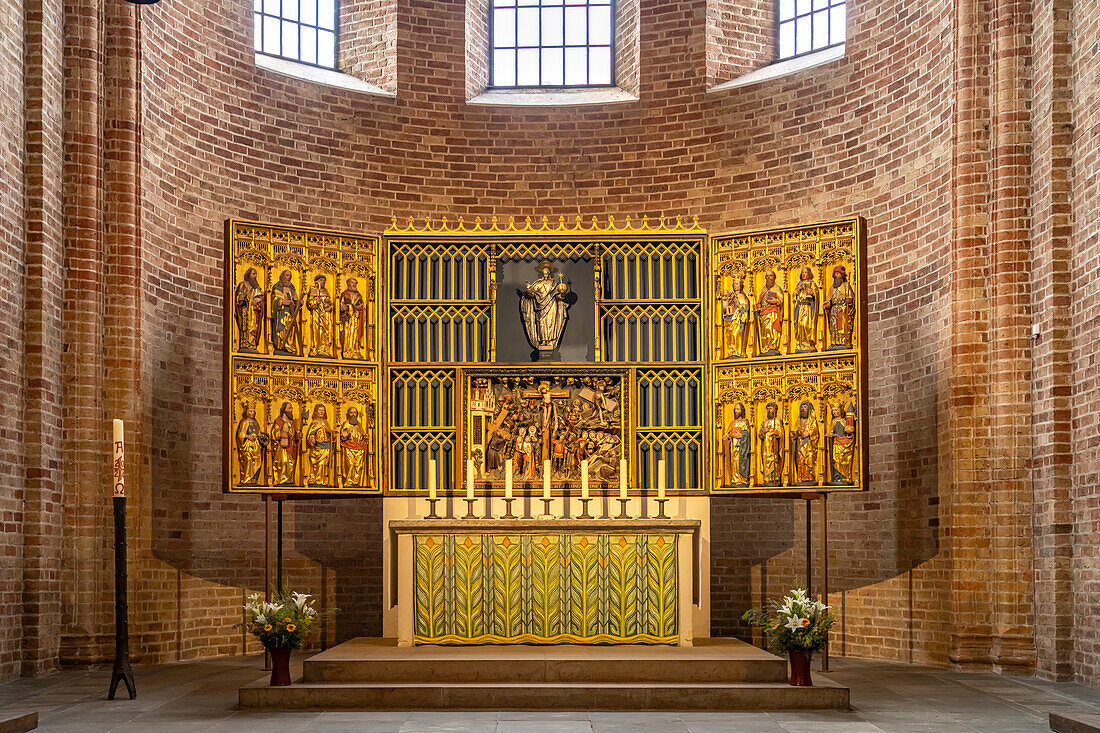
(281,623)
(798,623)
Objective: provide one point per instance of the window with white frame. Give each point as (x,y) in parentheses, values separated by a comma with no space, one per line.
(298,30)
(552,43)
(805,26)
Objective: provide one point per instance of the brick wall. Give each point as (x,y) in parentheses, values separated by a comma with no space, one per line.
(958,156)
(740,37)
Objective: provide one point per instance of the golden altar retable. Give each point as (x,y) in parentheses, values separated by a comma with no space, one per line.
(553,581)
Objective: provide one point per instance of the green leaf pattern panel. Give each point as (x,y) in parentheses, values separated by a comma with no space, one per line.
(545,588)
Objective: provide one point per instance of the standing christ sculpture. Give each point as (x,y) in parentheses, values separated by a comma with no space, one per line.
(544,308)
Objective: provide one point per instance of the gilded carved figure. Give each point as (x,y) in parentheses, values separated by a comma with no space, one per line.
(770,316)
(352,321)
(736,309)
(320,306)
(286,337)
(284,446)
(248,309)
(355,444)
(804,312)
(840,309)
(806,442)
(318,446)
(544,311)
(771,446)
(737,449)
(842,440)
(251,441)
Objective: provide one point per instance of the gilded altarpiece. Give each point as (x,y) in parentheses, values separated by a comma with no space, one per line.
(788,325)
(302,370)
(462,334)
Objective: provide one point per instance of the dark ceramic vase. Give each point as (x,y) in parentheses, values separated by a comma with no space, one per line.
(280,667)
(800,668)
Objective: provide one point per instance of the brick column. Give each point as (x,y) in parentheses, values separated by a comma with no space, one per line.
(969,407)
(43,337)
(87,632)
(1010,348)
(1052,349)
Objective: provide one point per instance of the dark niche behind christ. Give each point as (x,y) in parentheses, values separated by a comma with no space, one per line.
(541,314)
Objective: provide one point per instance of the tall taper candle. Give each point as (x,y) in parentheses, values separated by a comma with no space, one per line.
(508,479)
(431,479)
(119,465)
(622,478)
(546,479)
(584,478)
(470,478)
(661,479)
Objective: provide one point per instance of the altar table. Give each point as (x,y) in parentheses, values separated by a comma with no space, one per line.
(545,581)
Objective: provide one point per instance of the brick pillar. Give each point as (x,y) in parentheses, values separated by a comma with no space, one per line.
(43,337)
(969,408)
(87,632)
(1051,301)
(1010,348)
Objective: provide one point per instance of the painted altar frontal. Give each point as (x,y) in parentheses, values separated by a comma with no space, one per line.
(534,372)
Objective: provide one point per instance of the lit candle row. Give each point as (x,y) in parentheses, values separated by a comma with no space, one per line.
(433,490)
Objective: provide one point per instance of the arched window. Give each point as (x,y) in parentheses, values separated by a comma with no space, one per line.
(551,43)
(806,26)
(305,31)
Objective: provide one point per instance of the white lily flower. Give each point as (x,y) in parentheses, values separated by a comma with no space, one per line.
(795,624)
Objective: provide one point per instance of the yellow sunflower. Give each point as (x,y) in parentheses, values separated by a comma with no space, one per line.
(267,628)
(291,627)
(805,622)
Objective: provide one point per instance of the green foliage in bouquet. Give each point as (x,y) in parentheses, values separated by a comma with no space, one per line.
(798,622)
(281,623)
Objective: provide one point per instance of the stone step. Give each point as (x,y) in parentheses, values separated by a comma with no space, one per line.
(1075,722)
(380,662)
(825,694)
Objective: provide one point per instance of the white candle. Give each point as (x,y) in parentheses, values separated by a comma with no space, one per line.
(470,479)
(584,478)
(622,478)
(508,479)
(546,479)
(431,479)
(119,461)
(661,479)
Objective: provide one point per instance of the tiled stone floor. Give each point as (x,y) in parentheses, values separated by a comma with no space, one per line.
(202,696)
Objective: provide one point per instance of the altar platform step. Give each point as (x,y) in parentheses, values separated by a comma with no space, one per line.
(376,674)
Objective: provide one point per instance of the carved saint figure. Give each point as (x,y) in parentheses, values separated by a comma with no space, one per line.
(318,447)
(543,308)
(736,309)
(250,443)
(248,308)
(285,304)
(284,446)
(804,316)
(494,450)
(352,321)
(355,445)
(840,309)
(737,449)
(770,316)
(843,437)
(771,446)
(320,306)
(521,458)
(806,439)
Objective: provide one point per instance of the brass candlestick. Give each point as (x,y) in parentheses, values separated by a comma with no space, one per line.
(584,510)
(661,509)
(508,508)
(623,514)
(431,509)
(470,509)
(546,509)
